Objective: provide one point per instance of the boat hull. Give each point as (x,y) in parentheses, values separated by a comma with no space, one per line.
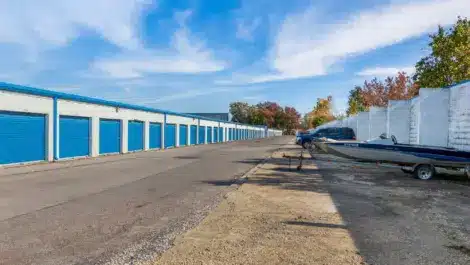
(399,154)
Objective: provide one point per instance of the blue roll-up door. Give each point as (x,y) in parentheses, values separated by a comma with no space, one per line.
(135,135)
(221,133)
(216,135)
(193,135)
(110,136)
(183,135)
(155,135)
(74,136)
(230,134)
(209,135)
(202,134)
(170,135)
(22,137)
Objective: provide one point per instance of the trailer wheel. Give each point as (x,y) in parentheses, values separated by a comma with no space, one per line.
(305,145)
(424,172)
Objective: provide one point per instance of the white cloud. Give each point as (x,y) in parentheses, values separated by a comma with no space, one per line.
(246,29)
(53,23)
(192,93)
(306,47)
(386,71)
(188,54)
(189,94)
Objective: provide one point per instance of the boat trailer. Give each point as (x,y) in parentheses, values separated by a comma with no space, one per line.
(300,158)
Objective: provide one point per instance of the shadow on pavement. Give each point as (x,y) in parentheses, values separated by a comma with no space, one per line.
(392,218)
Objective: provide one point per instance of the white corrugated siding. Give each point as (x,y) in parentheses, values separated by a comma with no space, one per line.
(414,120)
(459,117)
(378,122)
(434,117)
(398,119)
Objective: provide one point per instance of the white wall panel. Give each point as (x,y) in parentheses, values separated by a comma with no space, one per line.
(434,116)
(363,126)
(208,123)
(377,122)
(398,117)
(459,117)
(174,119)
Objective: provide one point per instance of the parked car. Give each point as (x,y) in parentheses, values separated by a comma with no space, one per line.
(298,136)
(336,133)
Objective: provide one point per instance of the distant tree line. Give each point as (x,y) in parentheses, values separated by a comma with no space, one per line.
(266,113)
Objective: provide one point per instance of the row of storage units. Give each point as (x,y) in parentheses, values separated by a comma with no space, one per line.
(41,125)
(436,117)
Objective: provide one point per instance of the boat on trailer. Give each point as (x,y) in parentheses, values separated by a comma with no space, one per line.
(420,160)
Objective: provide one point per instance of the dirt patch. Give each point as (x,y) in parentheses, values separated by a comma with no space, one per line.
(276,217)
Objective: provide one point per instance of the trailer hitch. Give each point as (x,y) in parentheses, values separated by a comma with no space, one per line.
(300,158)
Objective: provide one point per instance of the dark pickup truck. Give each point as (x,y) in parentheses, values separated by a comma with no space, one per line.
(336,133)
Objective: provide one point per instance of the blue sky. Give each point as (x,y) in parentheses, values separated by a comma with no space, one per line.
(200,55)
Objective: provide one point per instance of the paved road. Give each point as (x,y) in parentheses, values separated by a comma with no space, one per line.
(112,210)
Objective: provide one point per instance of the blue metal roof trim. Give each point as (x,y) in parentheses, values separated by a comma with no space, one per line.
(60,95)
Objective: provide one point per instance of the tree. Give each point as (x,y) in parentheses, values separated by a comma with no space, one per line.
(266,113)
(321,112)
(356,102)
(239,111)
(291,120)
(400,87)
(449,61)
(378,93)
(256,116)
(374,93)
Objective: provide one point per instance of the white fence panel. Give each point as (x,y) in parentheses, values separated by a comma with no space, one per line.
(459,117)
(377,122)
(434,116)
(398,117)
(363,126)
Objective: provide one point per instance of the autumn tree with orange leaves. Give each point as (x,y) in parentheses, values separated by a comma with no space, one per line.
(377,92)
(266,113)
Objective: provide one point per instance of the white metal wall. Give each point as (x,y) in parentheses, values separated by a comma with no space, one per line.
(459,117)
(434,120)
(363,126)
(398,120)
(377,124)
(437,117)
